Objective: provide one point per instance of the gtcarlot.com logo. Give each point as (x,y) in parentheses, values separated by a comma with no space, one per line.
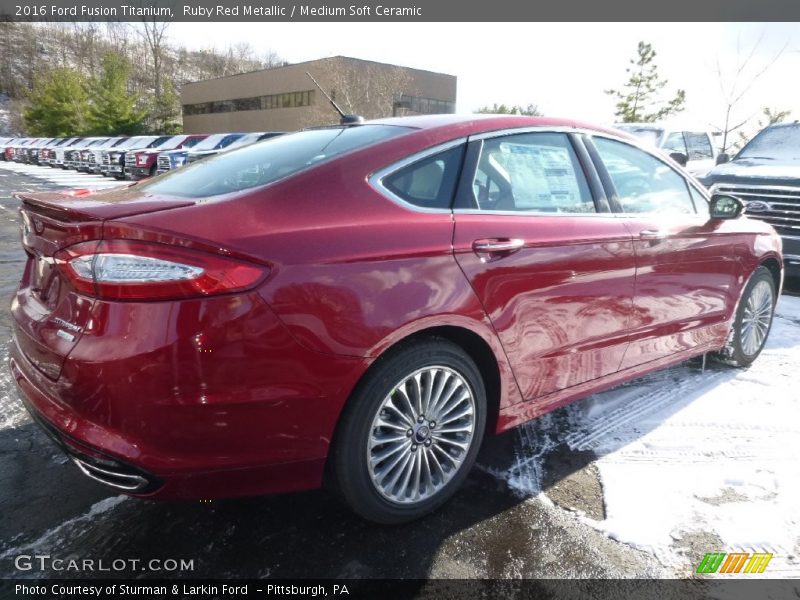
(46,562)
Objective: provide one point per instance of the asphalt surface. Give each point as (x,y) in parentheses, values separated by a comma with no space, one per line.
(489,530)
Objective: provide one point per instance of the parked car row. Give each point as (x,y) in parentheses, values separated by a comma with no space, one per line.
(356,305)
(123,157)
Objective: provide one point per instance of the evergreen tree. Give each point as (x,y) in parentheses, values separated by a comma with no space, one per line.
(531,110)
(639,101)
(165,111)
(114,110)
(58,104)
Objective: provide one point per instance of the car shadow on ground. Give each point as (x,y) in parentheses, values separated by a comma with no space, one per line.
(48,507)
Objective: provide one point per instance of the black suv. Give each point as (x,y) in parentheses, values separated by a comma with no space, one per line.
(765,174)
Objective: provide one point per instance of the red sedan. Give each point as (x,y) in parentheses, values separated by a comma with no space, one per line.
(359,305)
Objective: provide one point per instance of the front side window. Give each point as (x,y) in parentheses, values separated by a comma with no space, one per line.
(260,164)
(531,173)
(644,184)
(699,146)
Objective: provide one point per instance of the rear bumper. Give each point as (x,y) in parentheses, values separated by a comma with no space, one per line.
(171,420)
(92,463)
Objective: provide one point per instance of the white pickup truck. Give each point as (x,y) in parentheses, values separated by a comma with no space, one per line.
(695,144)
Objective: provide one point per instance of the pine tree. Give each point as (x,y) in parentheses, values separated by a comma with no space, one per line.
(639,100)
(531,110)
(114,110)
(165,111)
(58,104)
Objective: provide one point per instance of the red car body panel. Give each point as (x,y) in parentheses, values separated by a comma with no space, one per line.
(561,305)
(240,393)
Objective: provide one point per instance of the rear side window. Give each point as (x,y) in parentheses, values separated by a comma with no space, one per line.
(430,182)
(265,162)
(699,146)
(644,184)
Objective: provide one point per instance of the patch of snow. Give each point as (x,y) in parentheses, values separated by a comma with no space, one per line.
(682,451)
(12,413)
(50,538)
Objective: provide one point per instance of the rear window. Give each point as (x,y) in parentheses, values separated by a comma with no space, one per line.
(265,162)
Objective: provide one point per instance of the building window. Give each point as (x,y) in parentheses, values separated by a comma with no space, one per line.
(424,106)
(287,100)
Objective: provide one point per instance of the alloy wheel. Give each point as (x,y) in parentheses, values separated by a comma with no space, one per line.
(421,434)
(756,318)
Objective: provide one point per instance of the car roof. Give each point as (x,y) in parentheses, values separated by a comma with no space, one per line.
(479,123)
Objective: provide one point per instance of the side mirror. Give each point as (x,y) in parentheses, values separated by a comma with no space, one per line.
(723,158)
(679,157)
(725,207)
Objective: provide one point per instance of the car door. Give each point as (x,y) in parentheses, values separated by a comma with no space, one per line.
(553,267)
(685,265)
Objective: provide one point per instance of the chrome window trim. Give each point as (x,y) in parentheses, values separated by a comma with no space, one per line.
(376,179)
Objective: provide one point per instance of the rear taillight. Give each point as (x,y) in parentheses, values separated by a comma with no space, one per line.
(134,270)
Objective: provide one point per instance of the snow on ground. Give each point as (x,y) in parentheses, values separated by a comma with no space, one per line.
(57,537)
(694,461)
(11,413)
(61,178)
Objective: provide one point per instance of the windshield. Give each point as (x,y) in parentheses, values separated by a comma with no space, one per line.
(133,142)
(170,142)
(248,138)
(140,142)
(780,142)
(212,141)
(191,142)
(264,162)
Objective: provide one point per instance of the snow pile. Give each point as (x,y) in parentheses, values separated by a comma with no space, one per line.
(694,462)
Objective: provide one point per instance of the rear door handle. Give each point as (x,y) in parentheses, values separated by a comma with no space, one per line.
(497,247)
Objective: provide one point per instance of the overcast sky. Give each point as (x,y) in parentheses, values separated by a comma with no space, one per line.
(564,68)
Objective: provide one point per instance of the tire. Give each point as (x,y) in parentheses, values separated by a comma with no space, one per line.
(753,320)
(371,436)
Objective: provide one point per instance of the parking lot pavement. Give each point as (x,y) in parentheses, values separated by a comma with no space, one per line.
(641,481)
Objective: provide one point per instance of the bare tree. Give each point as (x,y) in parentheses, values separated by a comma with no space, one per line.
(735,86)
(372,92)
(154,34)
(272,59)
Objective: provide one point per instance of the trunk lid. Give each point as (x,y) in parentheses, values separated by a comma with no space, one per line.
(50,315)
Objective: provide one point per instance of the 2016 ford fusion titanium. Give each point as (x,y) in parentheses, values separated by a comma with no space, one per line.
(360,305)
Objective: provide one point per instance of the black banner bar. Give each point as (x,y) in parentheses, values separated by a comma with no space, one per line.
(388,589)
(400,10)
